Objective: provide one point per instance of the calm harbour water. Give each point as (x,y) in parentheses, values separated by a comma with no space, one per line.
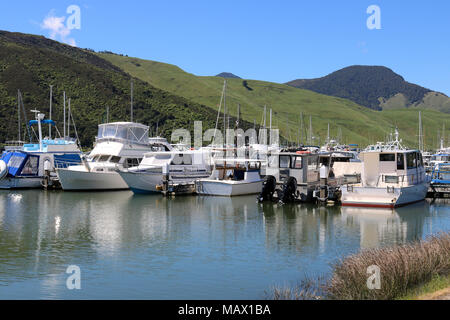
(150,247)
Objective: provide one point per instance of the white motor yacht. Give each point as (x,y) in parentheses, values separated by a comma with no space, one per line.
(232,177)
(119,145)
(180,167)
(390,177)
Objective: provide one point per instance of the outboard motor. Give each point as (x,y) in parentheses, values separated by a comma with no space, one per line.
(289,192)
(269,185)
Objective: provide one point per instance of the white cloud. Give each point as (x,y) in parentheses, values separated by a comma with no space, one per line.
(57,29)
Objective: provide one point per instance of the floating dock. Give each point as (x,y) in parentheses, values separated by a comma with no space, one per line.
(438,190)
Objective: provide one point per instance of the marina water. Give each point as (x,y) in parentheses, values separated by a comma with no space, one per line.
(151,247)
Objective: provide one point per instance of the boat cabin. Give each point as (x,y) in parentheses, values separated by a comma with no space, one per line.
(236,169)
(126,132)
(302,165)
(388,168)
(25,164)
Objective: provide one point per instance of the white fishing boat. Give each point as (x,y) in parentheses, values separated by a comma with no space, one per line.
(232,177)
(177,166)
(390,177)
(119,145)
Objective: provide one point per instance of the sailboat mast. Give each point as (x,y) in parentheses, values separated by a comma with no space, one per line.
(270,120)
(310,131)
(301,128)
(224,109)
(18,112)
(68,121)
(420,133)
(131,101)
(265,107)
(328,133)
(238,115)
(64,115)
(218,111)
(50,113)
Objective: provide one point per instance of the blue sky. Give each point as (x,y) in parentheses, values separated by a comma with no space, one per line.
(265,40)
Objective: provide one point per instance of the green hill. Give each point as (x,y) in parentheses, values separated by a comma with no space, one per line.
(375,87)
(32,63)
(358,124)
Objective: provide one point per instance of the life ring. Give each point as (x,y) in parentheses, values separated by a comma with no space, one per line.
(303,152)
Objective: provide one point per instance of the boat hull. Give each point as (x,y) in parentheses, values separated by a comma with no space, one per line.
(141,183)
(72,180)
(21,183)
(382,197)
(227,188)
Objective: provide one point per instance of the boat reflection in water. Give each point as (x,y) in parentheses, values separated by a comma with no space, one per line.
(152,247)
(381,227)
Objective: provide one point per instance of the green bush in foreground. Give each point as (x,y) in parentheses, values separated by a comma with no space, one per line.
(402,269)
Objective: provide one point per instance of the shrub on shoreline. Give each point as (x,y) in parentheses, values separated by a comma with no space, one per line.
(402,268)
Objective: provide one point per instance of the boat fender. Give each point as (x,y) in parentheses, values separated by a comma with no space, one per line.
(3,169)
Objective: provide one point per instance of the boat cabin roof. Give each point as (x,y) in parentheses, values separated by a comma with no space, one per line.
(128,131)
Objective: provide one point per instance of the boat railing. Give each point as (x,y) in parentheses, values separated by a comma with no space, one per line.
(121,140)
(63,164)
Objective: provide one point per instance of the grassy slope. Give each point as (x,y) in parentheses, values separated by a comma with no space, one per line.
(427,290)
(30,63)
(359,124)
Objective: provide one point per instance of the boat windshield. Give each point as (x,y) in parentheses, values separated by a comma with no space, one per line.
(133,132)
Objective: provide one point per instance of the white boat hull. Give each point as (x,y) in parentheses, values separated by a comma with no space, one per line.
(141,183)
(145,182)
(227,188)
(21,183)
(382,197)
(84,180)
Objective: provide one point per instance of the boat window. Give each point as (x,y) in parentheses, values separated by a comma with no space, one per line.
(285,161)
(312,163)
(137,133)
(387,156)
(162,156)
(15,161)
(297,162)
(110,131)
(114,159)
(121,132)
(187,159)
(419,159)
(132,162)
(31,167)
(273,161)
(100,132)
(182,159)
(254,165)
(103,158)
(400,161)
(391,179)
(411,161)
